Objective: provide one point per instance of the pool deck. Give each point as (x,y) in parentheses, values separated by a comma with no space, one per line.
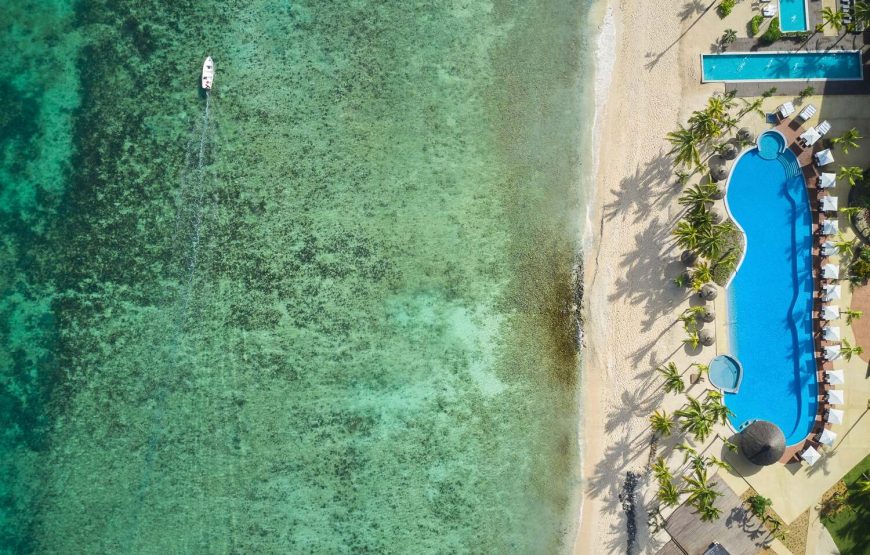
(846,41)
(794,486)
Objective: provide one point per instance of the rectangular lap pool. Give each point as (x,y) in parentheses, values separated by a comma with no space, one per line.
(842,65)
(793,15)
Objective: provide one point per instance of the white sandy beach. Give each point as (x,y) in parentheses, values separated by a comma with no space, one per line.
(630,261)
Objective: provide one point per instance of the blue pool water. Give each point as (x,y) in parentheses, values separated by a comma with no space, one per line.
(793,15)
(770,297)
(772,66)
(725,373)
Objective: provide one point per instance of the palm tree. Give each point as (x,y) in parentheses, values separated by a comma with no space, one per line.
(701,494)
(729,445)
(862,12)
(661,423)
(709,513)
(847,140)
(852,174)
(685,147)
(832,18)
(754,106)
(844,245)
(729,36)
(661,470)
(698,196)
(702,369)
(688,234)
(851,211)
(695,419)
(848,350)
(715,461)
(692,339)
(701,274)
(688,451)
(716,410)
(852,315)
(668,494)
(711,241)
(705,125)
(673,380)
(759,504)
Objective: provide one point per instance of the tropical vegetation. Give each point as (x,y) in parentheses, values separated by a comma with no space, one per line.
(673,380)
(832,18)
(847,140)
(773,32)
(661,423)
(846,510)
(755,24)
(852,174)
(848,350)
(725,7)
(852,315)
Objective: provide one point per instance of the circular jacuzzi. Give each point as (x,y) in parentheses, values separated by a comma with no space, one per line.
(771,144)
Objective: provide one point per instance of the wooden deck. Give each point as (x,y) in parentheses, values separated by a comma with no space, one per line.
(736,529)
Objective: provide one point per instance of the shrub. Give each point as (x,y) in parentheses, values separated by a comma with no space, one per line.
(725,7)
(809,91)
(859,269)
(755,25)
(773,33)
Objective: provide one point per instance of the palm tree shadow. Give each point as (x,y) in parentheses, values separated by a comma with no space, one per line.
(632,404)
(656,182)
(690,9)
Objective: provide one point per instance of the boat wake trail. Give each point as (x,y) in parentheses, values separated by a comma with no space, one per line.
(186,238)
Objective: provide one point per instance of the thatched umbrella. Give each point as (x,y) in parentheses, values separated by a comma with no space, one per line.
(688,258)
(717,213)
(708,315)
(708,292)
(718,173)
(729,152)
(745,135)
(762,442)
(717,161)
(706,337)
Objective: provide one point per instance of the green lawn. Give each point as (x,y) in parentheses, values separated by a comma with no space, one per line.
(851,527)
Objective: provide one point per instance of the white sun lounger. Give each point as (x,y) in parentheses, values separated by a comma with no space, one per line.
(827,437)
(807,112)
(835,397)
(832,352)
(768,11)
(827,180)
(830,227)
(786,109)
(823,127)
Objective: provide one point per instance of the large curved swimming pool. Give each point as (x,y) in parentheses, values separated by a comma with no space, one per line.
(770,296)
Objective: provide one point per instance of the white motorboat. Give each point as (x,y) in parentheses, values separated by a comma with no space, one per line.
(208,73)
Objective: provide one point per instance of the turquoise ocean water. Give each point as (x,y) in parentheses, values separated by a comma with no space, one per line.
(327,309)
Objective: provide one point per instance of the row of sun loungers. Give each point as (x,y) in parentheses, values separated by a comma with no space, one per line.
(830,334)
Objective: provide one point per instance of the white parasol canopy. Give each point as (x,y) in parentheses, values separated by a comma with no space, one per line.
(830,271)
(830,312)
(832,352)
(832,292)
(835,416)
(836,397)
(831,333)
(824,157)
(829,203)
(827,180)
(810,136)
(836,377)
(830,227)
(810,455)
(827,437)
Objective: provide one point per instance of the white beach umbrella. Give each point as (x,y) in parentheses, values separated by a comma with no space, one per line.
(832,292)
(836,377)
(831,333)
(830,227)
(810,455)
(830,271)
(827,437)
(829,204)
(836,397)
(810,136)
(835,416)
(832,352)
(830,312)
(824,157)
(827,180)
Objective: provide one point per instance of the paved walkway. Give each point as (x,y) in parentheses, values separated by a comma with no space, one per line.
(861,327)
